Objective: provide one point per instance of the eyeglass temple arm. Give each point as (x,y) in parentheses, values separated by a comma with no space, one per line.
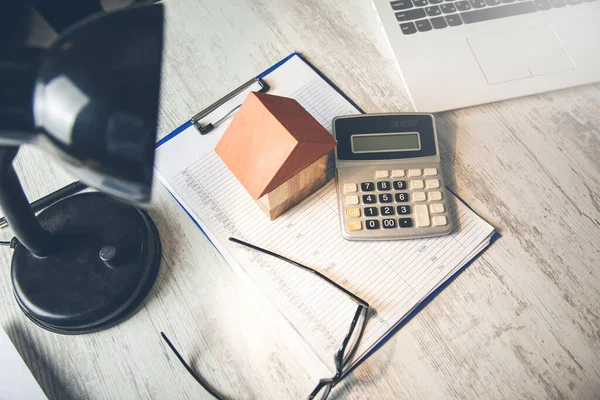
(189,369)
(304,267)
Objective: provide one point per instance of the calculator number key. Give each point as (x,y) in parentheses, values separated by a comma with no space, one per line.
(388,223)
(387,210)
(401,197)
(367,186)
(369,199)
(403,210)
(383,185)
(385,198)
(372,224)
(405,222)
(399,185)
(371,212)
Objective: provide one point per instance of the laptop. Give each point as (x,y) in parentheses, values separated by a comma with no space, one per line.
(459,53)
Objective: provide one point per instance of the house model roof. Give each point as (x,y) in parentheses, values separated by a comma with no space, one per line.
(270,139)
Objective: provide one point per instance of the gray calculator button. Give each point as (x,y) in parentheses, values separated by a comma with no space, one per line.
(439,220)
(422,215)
(382,174)
(351,200)
(350,187)
(419,196)
(432,184)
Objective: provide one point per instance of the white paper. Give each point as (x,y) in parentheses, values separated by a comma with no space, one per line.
(16,382)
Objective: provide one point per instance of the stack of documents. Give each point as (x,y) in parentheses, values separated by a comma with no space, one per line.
(395,277)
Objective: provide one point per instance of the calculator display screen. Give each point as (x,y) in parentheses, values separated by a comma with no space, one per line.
(386,142)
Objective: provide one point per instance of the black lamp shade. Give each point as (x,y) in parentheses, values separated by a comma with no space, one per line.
(96,99)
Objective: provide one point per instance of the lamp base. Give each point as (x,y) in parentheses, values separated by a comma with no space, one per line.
(108,260)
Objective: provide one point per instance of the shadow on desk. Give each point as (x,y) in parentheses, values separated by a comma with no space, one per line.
(40,367)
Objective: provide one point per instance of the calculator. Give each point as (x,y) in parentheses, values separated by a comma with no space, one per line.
(389,178)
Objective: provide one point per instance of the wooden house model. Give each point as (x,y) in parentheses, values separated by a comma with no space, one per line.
(277,150)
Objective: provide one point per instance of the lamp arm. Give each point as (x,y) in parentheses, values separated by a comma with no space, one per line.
(17,211)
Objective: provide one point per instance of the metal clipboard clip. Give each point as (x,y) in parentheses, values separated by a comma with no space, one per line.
(264,87)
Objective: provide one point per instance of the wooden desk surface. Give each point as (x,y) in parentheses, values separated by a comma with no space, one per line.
(522,322)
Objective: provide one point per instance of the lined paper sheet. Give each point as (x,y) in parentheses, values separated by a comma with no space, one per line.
(393,276)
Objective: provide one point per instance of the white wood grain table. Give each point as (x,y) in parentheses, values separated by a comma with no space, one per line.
(523,321)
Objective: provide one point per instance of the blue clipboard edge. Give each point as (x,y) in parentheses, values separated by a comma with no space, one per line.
(429,298)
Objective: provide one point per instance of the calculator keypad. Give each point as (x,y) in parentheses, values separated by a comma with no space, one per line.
(406,199)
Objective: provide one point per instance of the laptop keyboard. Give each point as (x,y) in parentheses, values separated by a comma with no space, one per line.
(425,15)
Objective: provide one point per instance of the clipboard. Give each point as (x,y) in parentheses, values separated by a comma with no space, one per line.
(260,85)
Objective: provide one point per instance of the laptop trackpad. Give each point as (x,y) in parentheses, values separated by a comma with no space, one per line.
(521,54)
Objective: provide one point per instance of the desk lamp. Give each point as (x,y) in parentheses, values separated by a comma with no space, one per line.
(86,262)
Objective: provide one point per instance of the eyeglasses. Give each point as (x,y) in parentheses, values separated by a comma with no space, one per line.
(342,358)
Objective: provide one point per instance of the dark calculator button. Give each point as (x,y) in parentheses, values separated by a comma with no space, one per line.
(449,8)
(486,14)
(453,20)
(558,3)
(463,5)
(401,4)
(367,186)
(383,186)
(542,5)
(388,223)
(408,28)
(477,3)
(399,185)
(401,197)
(371,212)
(432,11)
(372,224)
(403,210)
(405,222)
(420,3)
(439,23)
(369,199)
(387,210)
(410,14)
(385,198)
